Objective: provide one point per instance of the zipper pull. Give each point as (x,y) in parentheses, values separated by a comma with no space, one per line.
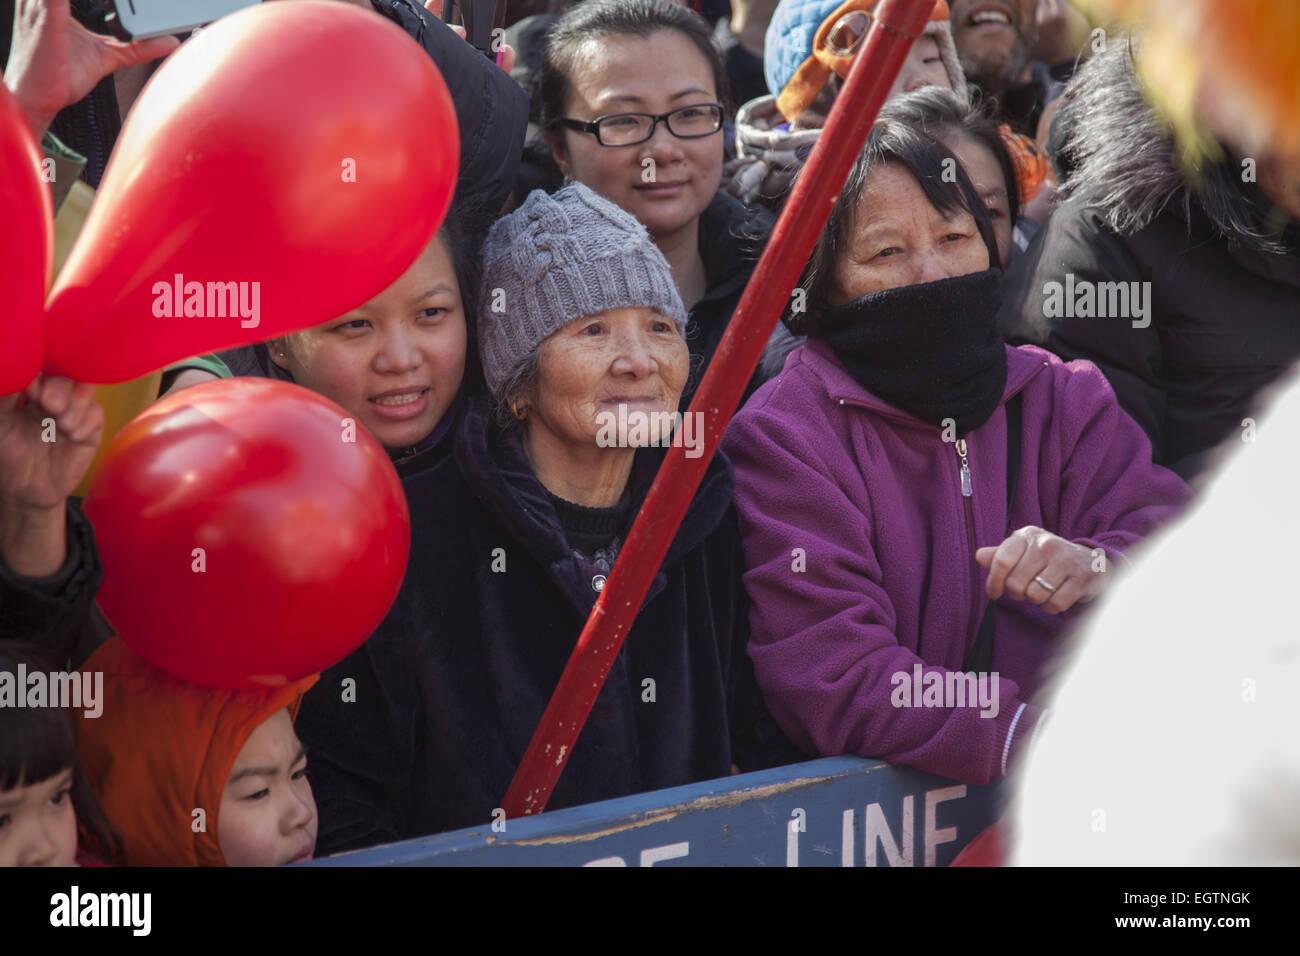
(960,447)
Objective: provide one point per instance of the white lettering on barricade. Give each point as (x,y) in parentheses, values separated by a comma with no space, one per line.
(899,846)
(649,856)
(878,828)
(846,839)
(672,851)
(932,836)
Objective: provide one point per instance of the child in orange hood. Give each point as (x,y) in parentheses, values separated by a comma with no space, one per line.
(197,776)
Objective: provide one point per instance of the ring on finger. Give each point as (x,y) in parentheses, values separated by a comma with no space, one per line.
(1038,579)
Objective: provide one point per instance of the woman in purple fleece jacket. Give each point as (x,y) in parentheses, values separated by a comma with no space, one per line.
(872,486)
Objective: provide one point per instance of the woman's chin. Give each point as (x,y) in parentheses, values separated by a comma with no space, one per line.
(664,215)
(402,434)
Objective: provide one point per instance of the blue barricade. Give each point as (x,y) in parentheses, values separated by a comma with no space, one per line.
(838,811)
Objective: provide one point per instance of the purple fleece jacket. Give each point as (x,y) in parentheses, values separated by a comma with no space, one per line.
(859,557)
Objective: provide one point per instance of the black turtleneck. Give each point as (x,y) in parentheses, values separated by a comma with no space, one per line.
(589,530)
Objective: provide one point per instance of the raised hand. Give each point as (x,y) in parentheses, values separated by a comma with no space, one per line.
(48,438)
(55,61)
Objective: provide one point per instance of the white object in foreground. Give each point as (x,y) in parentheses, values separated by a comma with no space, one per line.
(1174,736)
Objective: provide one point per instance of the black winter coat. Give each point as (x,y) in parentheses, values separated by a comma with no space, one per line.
(1224,304)
(732,236)
(451,686)
(491,110)
(55,614)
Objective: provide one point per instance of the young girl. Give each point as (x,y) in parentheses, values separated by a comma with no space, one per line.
(197,776)
(44,795)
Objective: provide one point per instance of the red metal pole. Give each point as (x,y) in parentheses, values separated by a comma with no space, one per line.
(896,24)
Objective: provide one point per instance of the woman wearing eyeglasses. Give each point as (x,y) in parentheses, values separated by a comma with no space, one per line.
(633,97)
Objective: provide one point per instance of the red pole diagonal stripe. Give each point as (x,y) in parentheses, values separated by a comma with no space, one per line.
(895,25)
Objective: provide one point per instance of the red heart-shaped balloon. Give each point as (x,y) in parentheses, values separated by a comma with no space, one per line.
(282,167)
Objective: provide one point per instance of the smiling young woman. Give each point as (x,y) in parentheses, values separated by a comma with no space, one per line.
(634,98)
(400,364)
(396,362)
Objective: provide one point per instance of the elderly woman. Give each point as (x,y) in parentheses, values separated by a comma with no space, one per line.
(974,139)
(512,538)
(918,500)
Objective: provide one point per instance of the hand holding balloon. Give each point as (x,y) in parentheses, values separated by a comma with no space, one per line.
(48,437)
(251,533)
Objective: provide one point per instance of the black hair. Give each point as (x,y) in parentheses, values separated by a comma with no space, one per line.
(36,743)
(464,250)
(924,157)
(939,114)
(606,18)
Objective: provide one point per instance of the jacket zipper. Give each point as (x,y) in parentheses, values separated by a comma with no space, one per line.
(960,447)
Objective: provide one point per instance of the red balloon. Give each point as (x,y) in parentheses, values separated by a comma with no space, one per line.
(26,247)
(282,167)
(251,534)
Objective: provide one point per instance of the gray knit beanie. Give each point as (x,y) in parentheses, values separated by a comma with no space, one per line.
(558,258)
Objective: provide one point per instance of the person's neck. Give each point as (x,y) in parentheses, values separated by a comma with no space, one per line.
(428,441)
(586,475)
(749,20)
(682,250)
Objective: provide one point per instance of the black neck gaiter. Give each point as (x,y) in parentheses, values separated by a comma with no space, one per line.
(931,350)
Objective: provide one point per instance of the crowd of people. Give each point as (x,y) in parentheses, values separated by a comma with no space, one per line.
(935,468)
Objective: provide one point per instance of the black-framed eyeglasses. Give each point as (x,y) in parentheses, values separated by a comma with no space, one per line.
(628,129)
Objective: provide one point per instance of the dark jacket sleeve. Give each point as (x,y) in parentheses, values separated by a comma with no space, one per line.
(1076,241)
(491,109)
(53,613)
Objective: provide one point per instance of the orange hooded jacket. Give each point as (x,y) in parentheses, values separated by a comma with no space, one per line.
(163,748)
